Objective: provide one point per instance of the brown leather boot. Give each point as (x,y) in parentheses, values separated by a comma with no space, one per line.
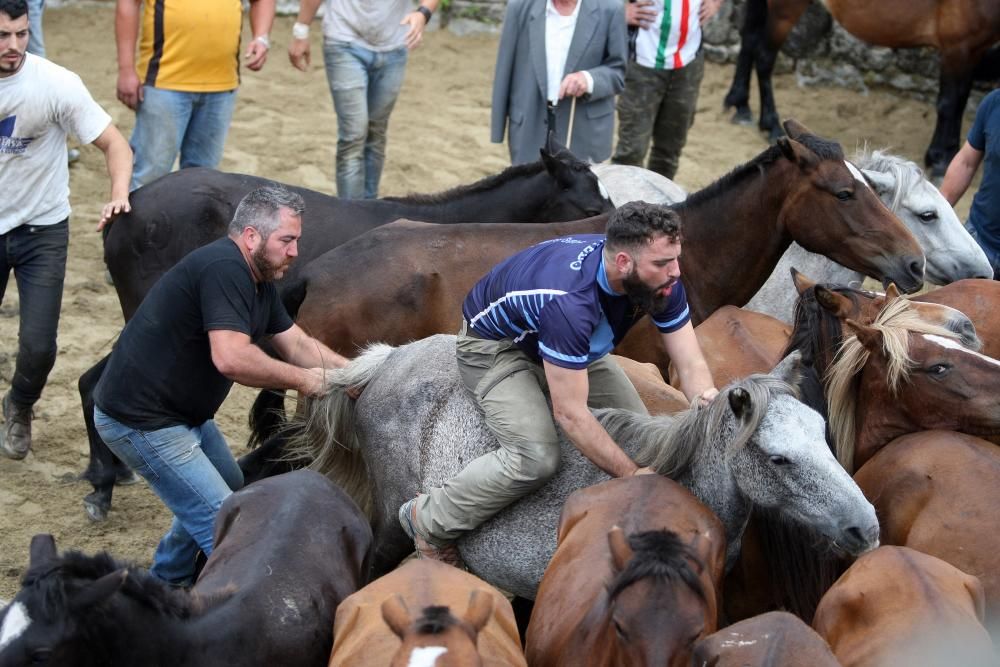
(447,554)
(15,436)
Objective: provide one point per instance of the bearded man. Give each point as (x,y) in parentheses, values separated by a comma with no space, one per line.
(546,319)
(175,361)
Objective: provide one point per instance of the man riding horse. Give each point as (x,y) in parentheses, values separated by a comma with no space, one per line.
(546,318)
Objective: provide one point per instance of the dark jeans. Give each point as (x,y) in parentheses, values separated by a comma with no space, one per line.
(991,254)
(657,105)
(37,254)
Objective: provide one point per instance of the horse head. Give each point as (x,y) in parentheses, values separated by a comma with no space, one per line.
(829,209)
(952,254)
(436,637)
(780,460)
(576,192)
(657,605)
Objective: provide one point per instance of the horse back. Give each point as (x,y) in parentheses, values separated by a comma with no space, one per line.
(774,639)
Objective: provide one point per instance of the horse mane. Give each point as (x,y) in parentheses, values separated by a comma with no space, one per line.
(906,174)
(434,620)
(57,579)
(668,443)
(824,148)
(894,322)
(659,554)
(816,332)
(490,182)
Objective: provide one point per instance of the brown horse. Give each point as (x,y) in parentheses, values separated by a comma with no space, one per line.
(962,30)
(980,300)
(938,492)
(897,606)
(774,639)
(658,396)
(408,617)
(636,578)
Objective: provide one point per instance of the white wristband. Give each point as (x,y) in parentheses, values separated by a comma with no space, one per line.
(264,41)
(300,30)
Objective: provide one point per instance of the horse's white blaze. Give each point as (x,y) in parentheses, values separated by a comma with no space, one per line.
(14,624)
(955,345)
(426,656)
(603,190)
(856,173)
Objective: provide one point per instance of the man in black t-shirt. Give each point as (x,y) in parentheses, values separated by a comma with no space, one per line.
(175,361)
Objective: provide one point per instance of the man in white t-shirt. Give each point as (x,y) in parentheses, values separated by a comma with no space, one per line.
(365,47)
(40,103)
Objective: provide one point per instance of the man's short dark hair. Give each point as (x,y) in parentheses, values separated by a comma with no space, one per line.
(261,209)
(636,224)
(15,9)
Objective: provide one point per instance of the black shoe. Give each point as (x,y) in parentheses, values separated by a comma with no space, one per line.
(15,436)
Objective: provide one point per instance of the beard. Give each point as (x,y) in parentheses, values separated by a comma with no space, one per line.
(7,66)
(265,268)
(645,297)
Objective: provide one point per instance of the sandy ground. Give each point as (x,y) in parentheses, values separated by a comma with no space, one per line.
(284,128)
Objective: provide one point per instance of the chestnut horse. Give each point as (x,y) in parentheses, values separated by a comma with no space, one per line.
(938,492)
(774,639)
(426,609)
(980,300)
(962,30)
(635,579)
(897,606)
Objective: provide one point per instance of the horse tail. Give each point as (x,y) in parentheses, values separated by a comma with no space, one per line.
(325,433)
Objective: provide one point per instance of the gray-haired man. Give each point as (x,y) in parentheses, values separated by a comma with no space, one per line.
(175,361)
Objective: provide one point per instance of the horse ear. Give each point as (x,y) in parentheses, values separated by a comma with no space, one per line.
(867,336)
(788,369)
(98,591)
(739,401)
(891,293)
(479,610)
(396,615)
(836,304)
(621,552)
(42,550)
(797,153)
(801,282)
(978,594)
(795,129)
(880,181)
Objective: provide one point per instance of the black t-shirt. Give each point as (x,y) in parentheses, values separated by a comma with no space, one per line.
(161,372)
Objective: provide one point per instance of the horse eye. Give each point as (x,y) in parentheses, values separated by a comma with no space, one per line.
(620,632)
(939,369)
(928,216)
(844,195)
(778,460)
(41,656)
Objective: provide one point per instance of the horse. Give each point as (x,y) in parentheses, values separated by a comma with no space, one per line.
(658,396)
(897,606)
(288,550)
(625,183)
(414,426)
(936,492)
(408,617)
(189,208)
(952,254)
(963,31)
(774,639)
(978,299)
(653,556)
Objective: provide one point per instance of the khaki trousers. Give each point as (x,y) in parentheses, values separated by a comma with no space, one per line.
(510,389)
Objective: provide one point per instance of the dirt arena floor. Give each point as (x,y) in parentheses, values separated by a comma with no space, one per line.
(284,128)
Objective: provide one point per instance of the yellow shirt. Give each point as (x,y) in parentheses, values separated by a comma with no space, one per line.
(191,45)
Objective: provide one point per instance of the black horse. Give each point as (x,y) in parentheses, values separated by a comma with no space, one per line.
(187,209)
(287,551)
(962,30)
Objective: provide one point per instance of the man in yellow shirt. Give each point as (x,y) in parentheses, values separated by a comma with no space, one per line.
(184,87)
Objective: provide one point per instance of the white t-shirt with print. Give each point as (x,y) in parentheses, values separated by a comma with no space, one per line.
(39,106)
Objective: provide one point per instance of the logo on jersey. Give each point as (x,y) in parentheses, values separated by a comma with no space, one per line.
(578,263)
(8,142)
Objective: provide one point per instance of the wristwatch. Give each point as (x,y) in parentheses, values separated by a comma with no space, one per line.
(426,12)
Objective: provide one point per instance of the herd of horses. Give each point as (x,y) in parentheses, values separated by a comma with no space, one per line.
(833,505)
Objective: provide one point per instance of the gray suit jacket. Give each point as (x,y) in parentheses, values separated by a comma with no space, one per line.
(600,46)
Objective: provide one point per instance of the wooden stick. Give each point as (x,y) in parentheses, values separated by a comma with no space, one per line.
(569,132)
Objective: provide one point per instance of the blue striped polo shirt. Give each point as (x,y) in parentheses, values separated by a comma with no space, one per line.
(554,301)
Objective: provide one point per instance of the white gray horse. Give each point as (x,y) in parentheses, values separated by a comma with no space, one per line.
(951,253)
(415,425)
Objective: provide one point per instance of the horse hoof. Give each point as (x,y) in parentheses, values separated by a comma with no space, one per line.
(742,117)
(95,512)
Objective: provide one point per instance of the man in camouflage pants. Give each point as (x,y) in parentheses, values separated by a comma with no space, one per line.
(662,82)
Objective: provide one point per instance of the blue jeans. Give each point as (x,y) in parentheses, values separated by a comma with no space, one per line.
(991,254)
(170,122)
(36,40)
(364,85)
(192,471)
(37,255)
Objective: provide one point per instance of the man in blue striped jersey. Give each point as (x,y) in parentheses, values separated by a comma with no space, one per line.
(547,318)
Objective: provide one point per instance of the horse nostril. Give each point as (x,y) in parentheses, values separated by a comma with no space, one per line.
(856,535)
(917,268)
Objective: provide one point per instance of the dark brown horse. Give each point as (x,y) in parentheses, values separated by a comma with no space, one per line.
(938,492)
(635,579)
(962,30)
(897,606)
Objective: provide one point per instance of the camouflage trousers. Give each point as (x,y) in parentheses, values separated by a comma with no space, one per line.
(657,105)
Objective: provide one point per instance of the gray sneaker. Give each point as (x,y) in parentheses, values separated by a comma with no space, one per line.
(15,436)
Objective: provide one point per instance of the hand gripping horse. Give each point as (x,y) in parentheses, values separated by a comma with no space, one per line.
(415,426)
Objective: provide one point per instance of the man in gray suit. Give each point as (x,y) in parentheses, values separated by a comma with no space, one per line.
(552,53)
